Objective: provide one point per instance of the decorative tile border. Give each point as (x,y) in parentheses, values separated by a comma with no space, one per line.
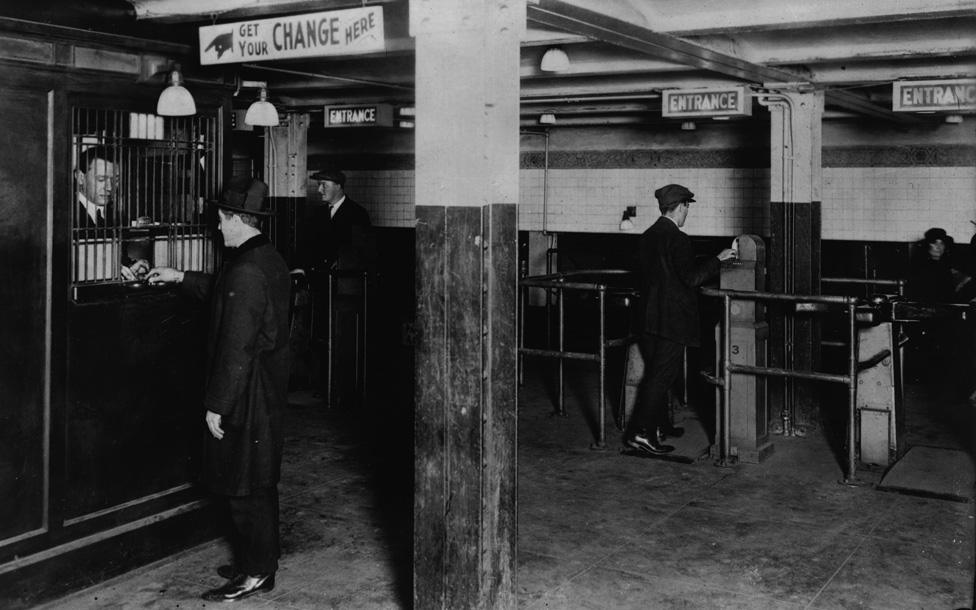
(950,155)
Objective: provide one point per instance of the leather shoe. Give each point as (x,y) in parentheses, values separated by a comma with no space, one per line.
(227,571)
(646,444)
(669,432)
(240,587)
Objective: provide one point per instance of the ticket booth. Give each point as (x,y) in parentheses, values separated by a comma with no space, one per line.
(102,374)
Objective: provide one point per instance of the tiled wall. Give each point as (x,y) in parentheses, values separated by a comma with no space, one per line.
(862,203)
(898,203)
(730,201)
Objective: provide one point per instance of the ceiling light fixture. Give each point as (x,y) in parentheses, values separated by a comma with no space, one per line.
(261,112)
(953,119)
(547,118)
(175,100)
(688,126)
(554,60)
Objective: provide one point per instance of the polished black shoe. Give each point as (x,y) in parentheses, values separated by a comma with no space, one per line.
(240,587)
(227,571)
(669,432)
(646,444)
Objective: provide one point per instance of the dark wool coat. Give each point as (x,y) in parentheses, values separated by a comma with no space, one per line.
(248,366)
(670,278)
(345,239)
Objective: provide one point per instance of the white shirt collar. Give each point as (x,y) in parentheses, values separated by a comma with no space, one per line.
(334,207)
(90,207)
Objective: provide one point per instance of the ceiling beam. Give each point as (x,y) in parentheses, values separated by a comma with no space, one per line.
(174,11)
(735,16)
(562,15)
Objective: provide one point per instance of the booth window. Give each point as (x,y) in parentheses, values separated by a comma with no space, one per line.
(140,183)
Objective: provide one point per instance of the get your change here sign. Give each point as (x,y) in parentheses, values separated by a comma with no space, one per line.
(345,32)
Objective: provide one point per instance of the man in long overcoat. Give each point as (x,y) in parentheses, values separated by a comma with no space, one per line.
(247,382)
(670,277)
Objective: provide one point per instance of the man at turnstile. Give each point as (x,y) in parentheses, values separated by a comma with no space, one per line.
(670,277)
(335,240)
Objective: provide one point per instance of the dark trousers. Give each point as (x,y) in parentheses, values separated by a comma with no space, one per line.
(255,519)
(663,360)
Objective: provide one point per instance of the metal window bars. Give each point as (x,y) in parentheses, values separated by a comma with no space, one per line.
(139,187)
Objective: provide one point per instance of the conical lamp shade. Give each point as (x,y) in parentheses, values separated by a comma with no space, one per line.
(175,100)
(262,113)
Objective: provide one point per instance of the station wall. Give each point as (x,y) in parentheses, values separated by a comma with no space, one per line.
(879,183)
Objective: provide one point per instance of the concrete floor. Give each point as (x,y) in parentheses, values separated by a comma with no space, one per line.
(600,530)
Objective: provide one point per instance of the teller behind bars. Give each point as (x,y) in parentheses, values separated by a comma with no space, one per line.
(247,383)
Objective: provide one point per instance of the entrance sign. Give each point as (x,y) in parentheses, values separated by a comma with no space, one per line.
(726,101)
(951,95)
(361,115)
(345,32)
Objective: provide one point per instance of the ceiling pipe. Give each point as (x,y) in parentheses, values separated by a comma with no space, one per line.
(316,75)
(562,15)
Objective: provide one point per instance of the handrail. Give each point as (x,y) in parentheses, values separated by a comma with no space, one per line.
(899,284)
(777,296)
(556,282)
(724,379)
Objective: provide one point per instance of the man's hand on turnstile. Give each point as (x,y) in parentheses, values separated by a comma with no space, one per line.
(727,254)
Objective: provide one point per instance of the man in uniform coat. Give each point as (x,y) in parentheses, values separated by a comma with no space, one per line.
(247,383)
(670,277)
(337,235)
(338,231)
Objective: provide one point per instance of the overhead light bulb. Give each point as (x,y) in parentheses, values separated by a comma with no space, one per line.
(262,113)
(554,60)
(547,118)
(175,100)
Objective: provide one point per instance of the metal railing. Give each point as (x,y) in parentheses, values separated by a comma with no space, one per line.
(898,284)
(362,307)
(558,283)
(724,378)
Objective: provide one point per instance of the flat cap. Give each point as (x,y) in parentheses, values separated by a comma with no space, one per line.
(331,174)
(672,194)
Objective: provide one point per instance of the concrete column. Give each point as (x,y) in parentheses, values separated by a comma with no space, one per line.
(467,162)
(285,171)
(796,182)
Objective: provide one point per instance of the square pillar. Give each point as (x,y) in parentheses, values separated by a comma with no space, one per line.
(467,174)
(796,182)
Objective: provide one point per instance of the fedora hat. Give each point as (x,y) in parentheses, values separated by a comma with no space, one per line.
(246,195)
